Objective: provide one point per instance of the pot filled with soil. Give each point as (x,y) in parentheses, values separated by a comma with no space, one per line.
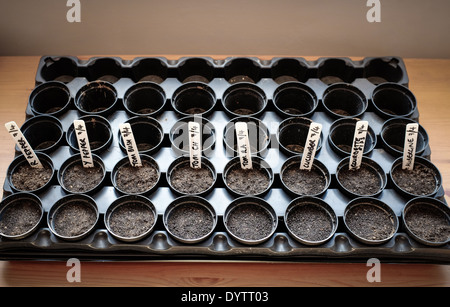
(344,100)
(179,135)
(194,98)
(423,180)
(129,179)
(341,136)
(104,69)
(190,219)
(242,70)
(130,218)
(43,132)
(300,182)
(24,178)
(149,69)
(148,134)
(369,180)
(73,217)
(96,98)
(195,70)
(74,178)
(99,132)
(185,180)
(50,98)
(370,221)
(289,70)
(383,70)
(332,71)
(256,181)
(427,220)
(292,134)
(250,220)
(310,220)
(144,98)
(295,99)
(258,136)
(393,136)
(393,100)
(244,99)
(20,215)
(63,69)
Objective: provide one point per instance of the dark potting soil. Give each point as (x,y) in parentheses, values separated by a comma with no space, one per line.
(304,182)
(247,181)
(188,180)
(74,219)
(428,223)
(364,181)
(79,179)
(131,220)
(295,148)
(250,222)
(190,221)
(19,218)
(131,179)
(419,181)
(27,178)
(310,222)
(370,222)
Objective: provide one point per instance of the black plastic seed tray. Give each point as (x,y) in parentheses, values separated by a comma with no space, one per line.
(278,98)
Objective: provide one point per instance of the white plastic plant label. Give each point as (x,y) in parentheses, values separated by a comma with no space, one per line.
(312,141)
(195,148)
(23,144)
(243,144)
(130,145)
(83,143)
(359,140)
(409,149)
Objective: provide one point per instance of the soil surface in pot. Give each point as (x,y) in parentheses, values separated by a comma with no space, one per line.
(131,220)
(428,223)
(364,181)
(250,222)
(80,179)
(131,179)
(247,181)
(419,181)
(190,221)
(370,222)
(27,178)
(186,179)
(74,219)
(304,182)
(19,218)
(310,223)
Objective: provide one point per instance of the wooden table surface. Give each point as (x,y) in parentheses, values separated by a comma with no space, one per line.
(429,81)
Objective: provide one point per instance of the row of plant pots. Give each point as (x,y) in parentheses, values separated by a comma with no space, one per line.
(242,99)
(329,70)
(248,220)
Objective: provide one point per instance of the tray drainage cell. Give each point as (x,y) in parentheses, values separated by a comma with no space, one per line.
(105,69)
(99,131)
(370,221)
(310,220)
(194,98)
(96,98)
(190,219)
(295,99)
(73,217)
(130,218)
(344,100)
(250,220)
(61,69)
(427,220)
(148,134)
(148,69)
(332,71)
(289,70)
(393,100)
(144,98)
(383,70)
(51,98)
(195,70)
(20,215)
(292,134)
(242,70)
(43,132)
(244,99)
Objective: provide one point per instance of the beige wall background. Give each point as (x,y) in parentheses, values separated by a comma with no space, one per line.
(408,28)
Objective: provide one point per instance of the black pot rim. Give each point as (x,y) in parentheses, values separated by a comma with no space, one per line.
(371,201)
(148,120)
(122,201)
(144,85)
(10,199)
(244,86)
(429,201)
(43,86)
(193,85)
(303,121)
(37,119)
(299,86)
(316,201)
(397,87)
(96,84)
(189,199)
(346,87)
